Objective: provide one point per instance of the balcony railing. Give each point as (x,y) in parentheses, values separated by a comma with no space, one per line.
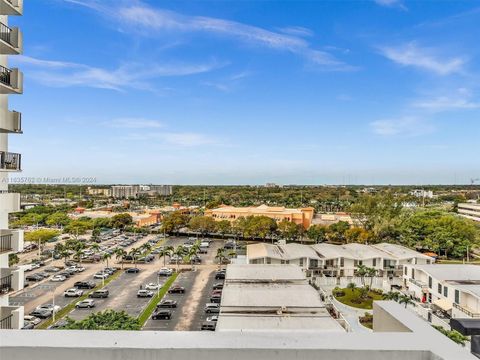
(465,311)
(6,284)
(6,322)
(5,76)
(419,284)
(5,33)
(5,243)
(10,161)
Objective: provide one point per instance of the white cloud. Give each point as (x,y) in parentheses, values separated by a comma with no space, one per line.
(146,20)
(407,125)
(131,75)
(391,3)
(461,99)
(134,123)
(424,58)
(183,139)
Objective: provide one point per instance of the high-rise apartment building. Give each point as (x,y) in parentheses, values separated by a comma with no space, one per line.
(11,241)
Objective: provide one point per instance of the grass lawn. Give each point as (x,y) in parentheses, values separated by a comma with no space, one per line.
(145,315)
(442,261)
(352,298)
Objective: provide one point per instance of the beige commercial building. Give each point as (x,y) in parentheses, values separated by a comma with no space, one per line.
(11,241)
(302,216)
(469,211)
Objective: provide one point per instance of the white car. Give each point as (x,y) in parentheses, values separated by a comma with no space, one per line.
(49,307)
(79,269)
(73,292)
(85,304)
(100,276)
(212,318)
(32,319)
(165,272)
(145,293)
(152,286)
(58,278)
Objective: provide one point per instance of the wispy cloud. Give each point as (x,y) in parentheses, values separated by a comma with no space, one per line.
(406,126)
(391,3)
(128,75)
(227,84)
(183,139)
(133,123)
(411,54)
(147,20)
(461,99)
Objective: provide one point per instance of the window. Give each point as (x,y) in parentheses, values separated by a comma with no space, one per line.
(430,282)
(445,291)
(342,262)
(457,296)
(300,262)
(374,262)
(440,289)
(282,261)
(413,273)
(269,261)
(405,271)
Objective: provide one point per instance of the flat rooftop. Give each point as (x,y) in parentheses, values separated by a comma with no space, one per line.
(275,323)
(262,273)
(270,296)
(451,272)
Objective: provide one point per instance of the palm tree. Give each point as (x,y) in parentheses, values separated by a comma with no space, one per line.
(120,254)
(179,252)
(78,255)
(134,252)
(167,251)
(352,286)
(391,295)
(146,247)
(95,247)
(362,271)
(106,256)
(220,256)
(404,299)
(371,273)
(65,254)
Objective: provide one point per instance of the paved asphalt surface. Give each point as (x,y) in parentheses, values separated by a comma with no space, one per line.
(188,315)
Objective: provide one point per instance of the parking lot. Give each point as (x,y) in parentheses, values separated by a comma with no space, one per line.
(188,315)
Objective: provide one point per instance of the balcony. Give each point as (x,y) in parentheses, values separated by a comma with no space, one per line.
(423,286)
(11,7)
(467,312)
(11,317)
(11,122)
(6,284)
(11,241)
(10,161)
(11,279)
(9,202)
(11,40)
(11,81)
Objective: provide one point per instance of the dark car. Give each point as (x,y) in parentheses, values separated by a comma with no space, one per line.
(162,315)
(65,273)
(176,289)
(167,303)
(216,299)
(209,325)
(28,326)
(41,313)
(220,275)
(34,277)
(229,245)
(99,294)
(132,270)
(218,286)
(84,285)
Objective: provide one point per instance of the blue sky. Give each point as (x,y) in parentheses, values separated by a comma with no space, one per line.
(248,92)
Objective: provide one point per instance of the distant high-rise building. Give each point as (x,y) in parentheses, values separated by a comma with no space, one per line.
(11,241)
(125,191)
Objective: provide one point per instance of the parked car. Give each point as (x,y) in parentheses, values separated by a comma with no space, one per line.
(162,314)
(101,294)
(58,278)
(218,286)
(216,293)
(32,319)
(176,289)
(79,269)
(51,307)
(220,275)
(73,292)
(100,275)
(152,286)
(85,304)
(42,313)
(212,308)
(52,269)
(212,318)
(28,326)
(58,325)
(132,270)
(216,299)
(65,274)
(229,245)
(209,325)
(144,293)
(84,285)
(34,277)
(167,303)
(165,272)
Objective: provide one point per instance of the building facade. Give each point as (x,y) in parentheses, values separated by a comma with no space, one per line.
(11,241)
(469,211)
(301,217)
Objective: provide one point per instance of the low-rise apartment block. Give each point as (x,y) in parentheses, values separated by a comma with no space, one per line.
(337,260)
(301,217)
(469,211)
(453,289)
